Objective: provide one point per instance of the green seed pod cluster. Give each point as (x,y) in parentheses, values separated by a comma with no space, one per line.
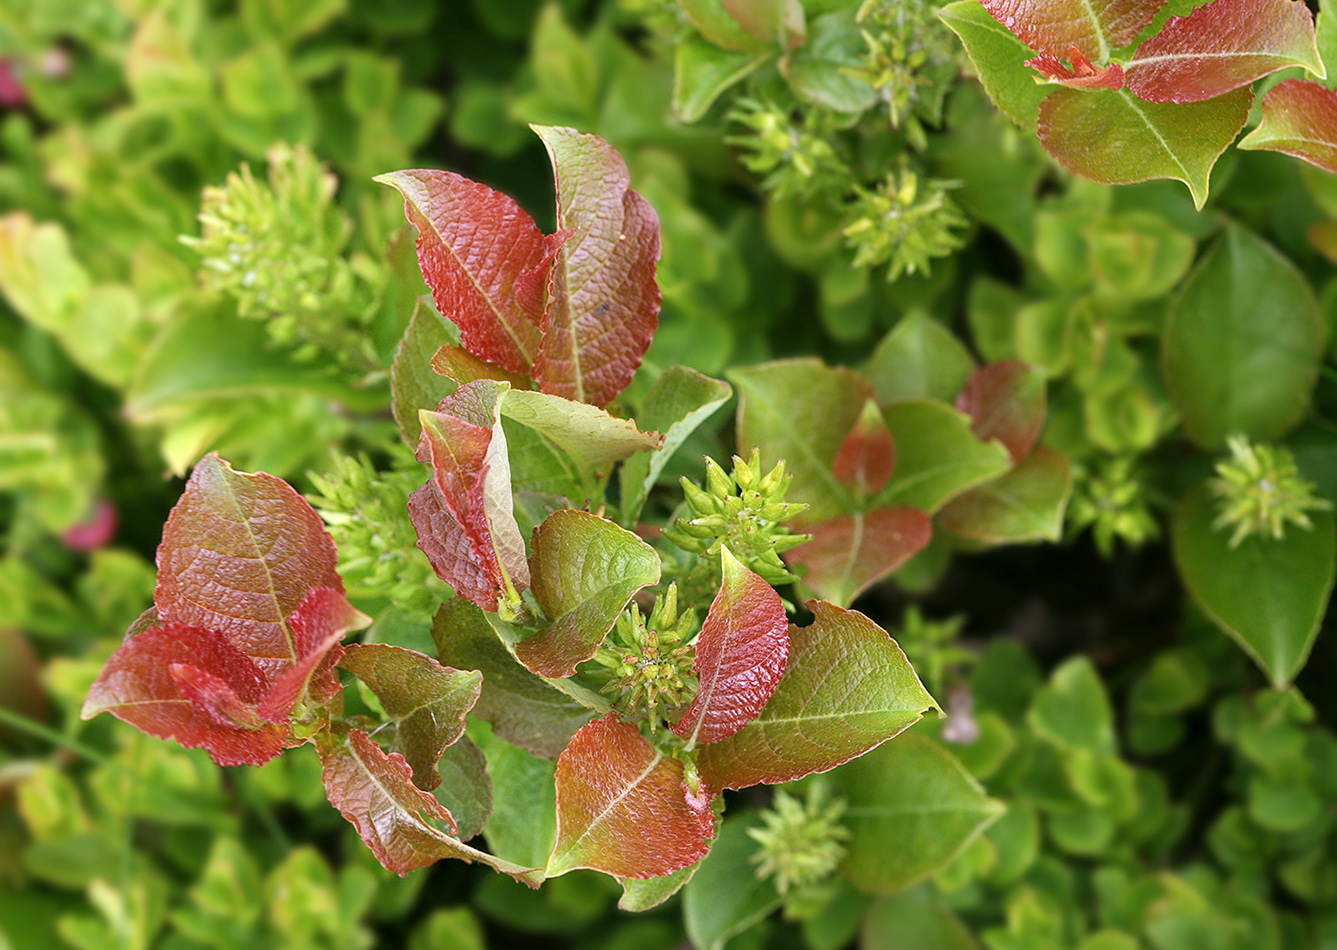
(651,659)
(742,511)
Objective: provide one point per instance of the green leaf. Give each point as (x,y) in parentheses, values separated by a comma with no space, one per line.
(643,894)
(1025,504)
(1116,139)
(1243,343)
(623,807)
(585,569)
(726,897)
(426,700)
(814,721)
(911,809)
(806,432)
(718,25)
(919,359)
(937,455)
(819,71)
(1269,596)
(523,823)
(466,789)
(1137,255)
(522,709)
(414,384)
(1300,119)
(703,71)
(678,402)
(915,920)
(780,22)
(998,57)
(1072,711)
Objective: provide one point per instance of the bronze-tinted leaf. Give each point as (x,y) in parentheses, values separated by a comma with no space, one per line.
(849,554)
(1007,402)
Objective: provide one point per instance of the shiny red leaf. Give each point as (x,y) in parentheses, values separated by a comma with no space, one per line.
(740,656)
(603,301)
(1082,74)
(849,554)
(1300,119)
(1007,402)
(319,625)
(485,260)
(865,460)
(181,682)
(1093,26)
(239,554)
(463,514)
(1222,46)
(622,807)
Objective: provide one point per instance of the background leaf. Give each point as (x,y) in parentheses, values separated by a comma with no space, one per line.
(1242,346)
(911,809)
(1300,119)
(1007,402)
(622,807)
(815,721)
(585,570)
(1025,504)
(726,897)
(937,455)
(414,384)
(919,359)
(849,554)
(1269,595)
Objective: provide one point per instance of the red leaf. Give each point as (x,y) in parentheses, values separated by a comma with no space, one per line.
(865,460)
(1007,402)
(318,626)
(1222,46)
(463,515)
(622,807)
(849,554)
(1094,27)
(239,554)
(180,682)
(485,260)
(740,656)
(1299,119)
(603,302)
(1082,75)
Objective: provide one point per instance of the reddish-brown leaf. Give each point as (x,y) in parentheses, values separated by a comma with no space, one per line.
(1093,26)
(603,301)
(849,554)
(181,682)
(1300,119)
(1222,46)
(318,626)
(622,807)
(865,460)
(1082,74)
(462,366)
(1006,400)
(740,656)
(485,260)
(239,554)
(463,515)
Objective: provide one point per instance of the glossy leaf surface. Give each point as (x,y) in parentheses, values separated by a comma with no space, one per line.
(585,571)
(1093,26)
(849,554)
(318,625)
(1221,46)
(1242,346)
(239,554)
(1006,401)
(396,819)
(603,302)
(937,455)
(997,56)
(591,439)
(806,433)
(912,808)
(740,656)
(522,709)
(180,682)
(485,260)
(1270,596)
(1300,119)
(426,700)
(847,689)
(1026,504)
(622,807)
(1116,139)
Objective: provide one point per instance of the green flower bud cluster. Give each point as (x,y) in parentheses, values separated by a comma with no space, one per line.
(1111,501)
(742,511)
(801,843)
(651,660)
(791,148)
(1260,491)
(912,62)
(276,246)
(905,223)
(932,646)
